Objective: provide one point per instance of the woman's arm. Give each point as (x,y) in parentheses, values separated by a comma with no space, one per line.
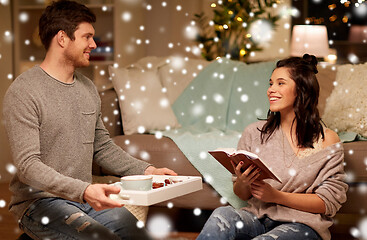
(300,201)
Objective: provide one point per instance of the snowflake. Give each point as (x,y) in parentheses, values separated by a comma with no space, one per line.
(144,155)
(158,135)
(197,211)
(218,98)
(141,129)
(159,226)
(126,16)
(209,119)
(170,205)
(11,168)
(45,220)
(140,224)
(292,172)
(2,203)
(239,224)
(203,155)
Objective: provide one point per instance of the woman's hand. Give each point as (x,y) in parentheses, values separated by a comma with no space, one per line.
(248,176)
(264,191)
(242,185)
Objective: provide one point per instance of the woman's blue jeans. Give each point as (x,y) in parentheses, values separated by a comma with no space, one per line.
(228,223)
(56,218)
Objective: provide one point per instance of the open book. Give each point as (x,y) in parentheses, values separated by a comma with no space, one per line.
(225,155)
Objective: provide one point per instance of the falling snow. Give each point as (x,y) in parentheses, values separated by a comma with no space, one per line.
(2,203)
(140,224)
(45,220)
(239,224)
(197,211)
(160,225)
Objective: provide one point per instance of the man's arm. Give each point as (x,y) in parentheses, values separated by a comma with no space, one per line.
(23,130)
(113,158)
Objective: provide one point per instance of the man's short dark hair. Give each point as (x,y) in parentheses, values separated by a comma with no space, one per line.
(63,15)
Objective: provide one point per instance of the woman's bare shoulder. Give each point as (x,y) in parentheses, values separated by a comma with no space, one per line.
(331,137)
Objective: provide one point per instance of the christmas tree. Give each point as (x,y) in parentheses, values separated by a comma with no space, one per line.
(237,28)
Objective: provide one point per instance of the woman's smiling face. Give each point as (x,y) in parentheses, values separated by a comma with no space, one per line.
(282,91)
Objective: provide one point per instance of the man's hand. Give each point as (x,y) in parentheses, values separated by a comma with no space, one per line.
(159,171)
(97,196)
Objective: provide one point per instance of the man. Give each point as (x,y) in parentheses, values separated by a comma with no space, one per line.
(53,120)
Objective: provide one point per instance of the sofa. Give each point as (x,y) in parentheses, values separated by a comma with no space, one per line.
(175,75)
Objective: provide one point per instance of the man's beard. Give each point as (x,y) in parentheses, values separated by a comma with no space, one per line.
(77,61)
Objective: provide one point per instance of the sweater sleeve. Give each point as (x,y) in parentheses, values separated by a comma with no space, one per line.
(332,188)
(21,114)
(111,157)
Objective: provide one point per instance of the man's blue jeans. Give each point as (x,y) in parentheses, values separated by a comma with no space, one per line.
(56,218)
(228,223)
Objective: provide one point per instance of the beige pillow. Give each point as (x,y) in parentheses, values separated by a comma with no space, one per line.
(144,107)
(345,109)
(178,73)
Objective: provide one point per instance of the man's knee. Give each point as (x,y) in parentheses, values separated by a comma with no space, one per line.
(81,224)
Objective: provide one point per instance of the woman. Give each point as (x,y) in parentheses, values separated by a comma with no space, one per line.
(307,157)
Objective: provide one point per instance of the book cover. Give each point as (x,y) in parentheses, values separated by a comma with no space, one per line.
(225,155)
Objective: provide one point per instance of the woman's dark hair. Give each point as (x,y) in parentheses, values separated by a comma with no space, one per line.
(63,15)
(308,130)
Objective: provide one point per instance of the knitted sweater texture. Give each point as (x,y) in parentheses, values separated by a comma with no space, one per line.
(55,132)
(321,173)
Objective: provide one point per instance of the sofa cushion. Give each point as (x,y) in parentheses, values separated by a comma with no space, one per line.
(345,109)
(178,73)
(143,105)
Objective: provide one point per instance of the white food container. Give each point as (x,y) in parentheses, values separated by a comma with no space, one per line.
(183,185)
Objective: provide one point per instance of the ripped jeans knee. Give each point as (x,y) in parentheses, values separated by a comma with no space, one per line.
(78,225)
(229,216)
(55,218)
(289,230)
(228,223)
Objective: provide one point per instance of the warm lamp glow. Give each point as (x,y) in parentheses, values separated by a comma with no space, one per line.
(311,39)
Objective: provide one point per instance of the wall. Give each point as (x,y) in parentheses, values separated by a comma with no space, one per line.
(164,25)
(167,25)
(127,31)
(279,47)
(6,61)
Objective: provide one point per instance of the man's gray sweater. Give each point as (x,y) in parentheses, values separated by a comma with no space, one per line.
(55,132)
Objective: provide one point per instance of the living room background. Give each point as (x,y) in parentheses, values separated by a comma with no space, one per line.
(141,28)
